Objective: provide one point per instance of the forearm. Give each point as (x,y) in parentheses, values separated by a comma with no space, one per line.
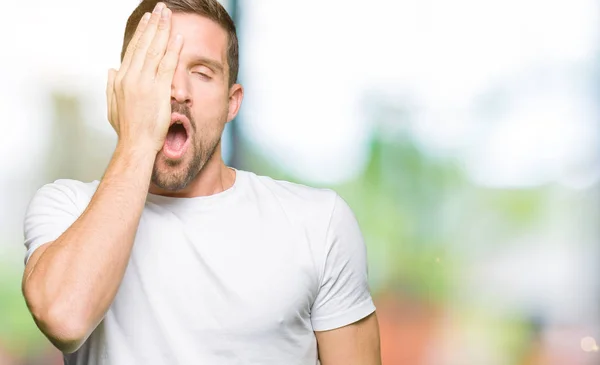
(75,279)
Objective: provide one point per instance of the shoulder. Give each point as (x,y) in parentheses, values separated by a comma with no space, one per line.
(300,197)
(64,192)
(52,209)
(71,187)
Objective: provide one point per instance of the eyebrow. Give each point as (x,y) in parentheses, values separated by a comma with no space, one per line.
(214,64)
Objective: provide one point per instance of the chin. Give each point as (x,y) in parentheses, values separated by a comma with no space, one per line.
(172,175)
(170,182)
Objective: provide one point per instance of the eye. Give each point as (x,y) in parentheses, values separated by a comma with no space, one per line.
(202,75)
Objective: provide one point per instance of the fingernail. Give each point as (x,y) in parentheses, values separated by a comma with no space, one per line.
(165,13)
(159,7)
(146,17)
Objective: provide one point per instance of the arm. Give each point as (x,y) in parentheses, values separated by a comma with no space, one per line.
(343,314)
(354,344)
(69,283)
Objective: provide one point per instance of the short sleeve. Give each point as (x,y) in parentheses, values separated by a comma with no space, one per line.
(344,296)
(50,212)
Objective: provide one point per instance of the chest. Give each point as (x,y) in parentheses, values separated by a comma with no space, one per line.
(212,274)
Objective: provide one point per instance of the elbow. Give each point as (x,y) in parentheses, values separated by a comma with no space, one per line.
(61,325)
(66,331)
(65,321)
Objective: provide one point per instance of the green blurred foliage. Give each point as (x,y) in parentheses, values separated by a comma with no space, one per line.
(415,210)
(18,333)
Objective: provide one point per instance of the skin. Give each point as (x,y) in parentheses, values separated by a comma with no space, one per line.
(174,62)
(355,344)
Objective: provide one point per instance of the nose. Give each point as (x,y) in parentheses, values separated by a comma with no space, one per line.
(180,89)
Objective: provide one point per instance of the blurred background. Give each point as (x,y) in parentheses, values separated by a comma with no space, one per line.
(464,134)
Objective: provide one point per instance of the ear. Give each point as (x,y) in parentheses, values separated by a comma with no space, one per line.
(236,94)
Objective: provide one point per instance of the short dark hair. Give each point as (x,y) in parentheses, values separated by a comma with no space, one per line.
(210,9)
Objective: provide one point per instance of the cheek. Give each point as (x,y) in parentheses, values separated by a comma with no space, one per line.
(210,102)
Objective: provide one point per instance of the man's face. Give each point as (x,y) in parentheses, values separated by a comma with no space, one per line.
(199,102)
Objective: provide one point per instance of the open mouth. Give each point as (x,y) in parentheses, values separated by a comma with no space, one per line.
(177,139)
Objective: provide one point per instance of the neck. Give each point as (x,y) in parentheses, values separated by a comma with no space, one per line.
(214,178)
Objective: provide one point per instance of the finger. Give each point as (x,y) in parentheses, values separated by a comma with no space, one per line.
(157,48)
(115,112)
(167,66)
(139,54)
(110,97)
(133,42)
(110,82)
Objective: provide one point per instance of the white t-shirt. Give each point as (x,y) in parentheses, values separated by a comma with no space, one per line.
(240,277)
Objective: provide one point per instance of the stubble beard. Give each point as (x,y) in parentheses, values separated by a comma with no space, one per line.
(176,177)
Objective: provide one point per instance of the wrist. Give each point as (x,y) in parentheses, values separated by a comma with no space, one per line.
(136,154)
(136,148)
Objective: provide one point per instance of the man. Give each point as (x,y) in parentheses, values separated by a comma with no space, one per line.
(175,258)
